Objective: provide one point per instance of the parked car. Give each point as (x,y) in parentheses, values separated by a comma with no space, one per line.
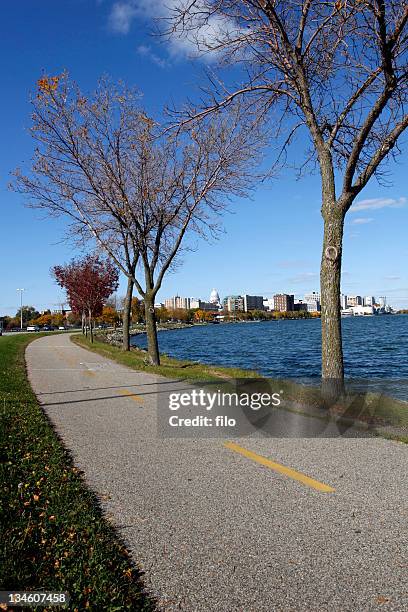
(62,328)
(33,328)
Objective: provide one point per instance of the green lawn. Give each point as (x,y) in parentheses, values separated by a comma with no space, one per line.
(54,535)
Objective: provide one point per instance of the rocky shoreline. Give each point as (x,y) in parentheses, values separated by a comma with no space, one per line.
(115,337)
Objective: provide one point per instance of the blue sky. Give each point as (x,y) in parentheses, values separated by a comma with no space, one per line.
(271,242)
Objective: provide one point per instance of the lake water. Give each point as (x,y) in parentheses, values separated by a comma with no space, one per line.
(374,348)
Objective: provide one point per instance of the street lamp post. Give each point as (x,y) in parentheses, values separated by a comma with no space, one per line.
(21,308)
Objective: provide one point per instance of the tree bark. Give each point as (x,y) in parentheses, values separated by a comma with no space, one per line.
(151,330)
(330,278)
(126,317)
(91,327)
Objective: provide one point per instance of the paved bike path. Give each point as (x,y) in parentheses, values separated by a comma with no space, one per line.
(214,529)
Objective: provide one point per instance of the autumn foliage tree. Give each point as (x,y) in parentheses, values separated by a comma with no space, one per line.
(109,316)
(88,282)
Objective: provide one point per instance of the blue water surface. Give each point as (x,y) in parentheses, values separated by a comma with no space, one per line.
(374,347)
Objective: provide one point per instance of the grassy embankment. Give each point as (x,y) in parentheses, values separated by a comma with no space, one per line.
(383,415)
(171,368)
(54,536)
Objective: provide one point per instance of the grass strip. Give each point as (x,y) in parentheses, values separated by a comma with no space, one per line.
(169,367)
(54,534)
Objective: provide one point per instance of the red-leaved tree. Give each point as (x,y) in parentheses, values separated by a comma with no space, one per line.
(88,282)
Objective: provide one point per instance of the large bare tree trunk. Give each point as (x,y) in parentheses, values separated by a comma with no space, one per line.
(330,277)
(151,330)
(127,308)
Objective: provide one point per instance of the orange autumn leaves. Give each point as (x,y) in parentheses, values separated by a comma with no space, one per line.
(48,84)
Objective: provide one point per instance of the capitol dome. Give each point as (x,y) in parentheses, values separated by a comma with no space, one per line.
(214,297)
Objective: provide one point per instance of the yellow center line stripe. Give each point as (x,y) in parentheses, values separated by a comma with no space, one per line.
(132,395)
(281,469)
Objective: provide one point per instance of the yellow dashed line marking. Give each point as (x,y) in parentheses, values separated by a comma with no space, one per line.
(281,469)
(133,396)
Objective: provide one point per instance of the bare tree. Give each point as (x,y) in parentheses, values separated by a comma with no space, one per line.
(335,71)
(133,187)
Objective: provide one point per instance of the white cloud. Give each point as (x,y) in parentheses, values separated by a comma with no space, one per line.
(124,12)
(362,220)
(122,16)
(377,203)
(146,51)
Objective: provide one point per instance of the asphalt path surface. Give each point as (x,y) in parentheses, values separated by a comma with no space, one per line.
(252,525)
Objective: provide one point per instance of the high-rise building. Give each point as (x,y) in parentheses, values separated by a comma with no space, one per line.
(284,302)
(369,300)
(253,302)
(233,303)
(343,301)
(177,302)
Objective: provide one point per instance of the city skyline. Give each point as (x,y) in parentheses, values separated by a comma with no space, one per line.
(278,301)
(193,300)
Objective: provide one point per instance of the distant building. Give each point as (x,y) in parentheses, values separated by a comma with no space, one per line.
(65,312)
(233,303)
(177,302)
(284,302)
(300,305)
(196,303)
(253,302)
(343,301)
(214,297)
(354,300)
(313,301)
(369,300)
(207,306)
(313,296)
(268,304)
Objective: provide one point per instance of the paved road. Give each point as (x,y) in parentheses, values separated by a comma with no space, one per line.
(220,530)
